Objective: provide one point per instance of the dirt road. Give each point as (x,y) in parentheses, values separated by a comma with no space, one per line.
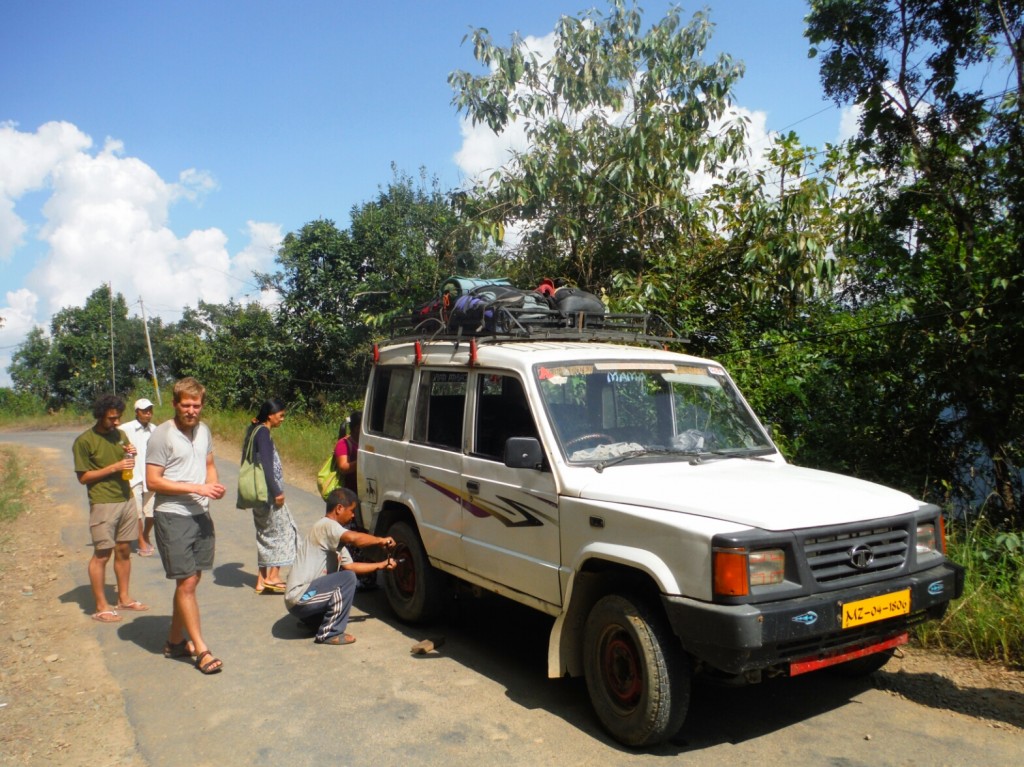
(75,692)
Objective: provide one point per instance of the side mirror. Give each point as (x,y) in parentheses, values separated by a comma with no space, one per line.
(523,453)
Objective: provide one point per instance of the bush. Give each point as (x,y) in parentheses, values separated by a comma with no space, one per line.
(988,621)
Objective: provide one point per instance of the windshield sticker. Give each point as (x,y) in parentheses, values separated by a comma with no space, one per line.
(716,371)
(691,370)
(547,374)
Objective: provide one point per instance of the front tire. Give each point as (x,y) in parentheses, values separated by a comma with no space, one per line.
(414,589)
(637,675)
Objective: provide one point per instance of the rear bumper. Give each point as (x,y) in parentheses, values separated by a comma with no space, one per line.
(739,638)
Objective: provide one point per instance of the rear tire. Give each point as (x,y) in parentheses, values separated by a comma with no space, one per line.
(415,589)
(637,674)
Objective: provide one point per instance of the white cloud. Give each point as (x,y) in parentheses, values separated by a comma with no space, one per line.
(849,123)
(106,220)
(26,161)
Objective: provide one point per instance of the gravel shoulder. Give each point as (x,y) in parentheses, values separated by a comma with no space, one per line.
(59,703)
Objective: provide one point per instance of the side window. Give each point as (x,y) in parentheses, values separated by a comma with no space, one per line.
(502,411)
(440,406)
(389,401)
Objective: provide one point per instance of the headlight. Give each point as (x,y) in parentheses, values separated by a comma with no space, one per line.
(929,540)
(737,570)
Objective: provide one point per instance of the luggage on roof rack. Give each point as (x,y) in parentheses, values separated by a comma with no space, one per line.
(495,310)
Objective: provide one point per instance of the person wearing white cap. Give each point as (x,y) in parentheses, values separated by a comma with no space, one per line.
(139,432)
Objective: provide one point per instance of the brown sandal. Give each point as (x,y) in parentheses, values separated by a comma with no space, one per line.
(182,649)
(212,666)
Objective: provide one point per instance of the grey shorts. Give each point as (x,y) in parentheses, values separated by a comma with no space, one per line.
(185,543)
(111,523)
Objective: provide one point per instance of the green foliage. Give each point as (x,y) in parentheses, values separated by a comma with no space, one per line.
(617,118)
(13,485)
(942,234)
(988,622)
(340,288)
(20,404)
(236,351)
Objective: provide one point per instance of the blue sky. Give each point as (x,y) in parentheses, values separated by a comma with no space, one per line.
(167,147)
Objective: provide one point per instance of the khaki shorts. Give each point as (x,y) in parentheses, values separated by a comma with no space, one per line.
(144,501)
(111,523)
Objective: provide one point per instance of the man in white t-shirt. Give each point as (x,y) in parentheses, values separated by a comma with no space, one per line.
(180,469)
(139,431)
(322,581)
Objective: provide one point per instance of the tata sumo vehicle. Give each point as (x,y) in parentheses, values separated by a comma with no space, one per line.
(631,493)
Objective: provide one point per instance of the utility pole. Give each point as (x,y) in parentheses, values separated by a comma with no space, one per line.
(149,346)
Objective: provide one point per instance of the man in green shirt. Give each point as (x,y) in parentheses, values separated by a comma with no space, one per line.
(104,460)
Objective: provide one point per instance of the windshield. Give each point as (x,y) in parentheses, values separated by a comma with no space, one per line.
(606,410)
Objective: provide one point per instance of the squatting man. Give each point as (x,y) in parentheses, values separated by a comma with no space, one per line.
(322,582)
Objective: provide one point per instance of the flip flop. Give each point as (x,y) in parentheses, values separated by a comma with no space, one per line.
(135,605)
(106,616)
(147,552)
(338,640)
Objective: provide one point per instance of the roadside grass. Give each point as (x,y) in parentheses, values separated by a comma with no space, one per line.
(303,440)
(988,621)
(14,485)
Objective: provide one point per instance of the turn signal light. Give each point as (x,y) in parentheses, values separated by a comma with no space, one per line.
(730,577)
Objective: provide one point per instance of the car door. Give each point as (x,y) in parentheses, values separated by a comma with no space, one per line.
(510,516)
(434,462)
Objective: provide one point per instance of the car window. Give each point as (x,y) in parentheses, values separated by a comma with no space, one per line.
(440,408)
(502,411)
(389,401)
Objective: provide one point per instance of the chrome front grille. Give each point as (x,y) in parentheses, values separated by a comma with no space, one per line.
(855,555)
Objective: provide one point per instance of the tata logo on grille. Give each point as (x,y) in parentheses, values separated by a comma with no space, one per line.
(861,556)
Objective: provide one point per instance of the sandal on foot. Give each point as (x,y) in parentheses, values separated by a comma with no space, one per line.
(339,639)
(134,605)
(106,616)
(182,649)
(212,666)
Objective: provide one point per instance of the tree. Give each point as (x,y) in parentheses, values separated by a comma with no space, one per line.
(617,119)
(948,216)
(236,350)
(29,365)
(76,365)
(341,288)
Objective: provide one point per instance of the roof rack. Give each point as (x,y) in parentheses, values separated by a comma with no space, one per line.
(510,324)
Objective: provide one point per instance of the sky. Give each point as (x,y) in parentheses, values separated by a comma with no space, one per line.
(166,148)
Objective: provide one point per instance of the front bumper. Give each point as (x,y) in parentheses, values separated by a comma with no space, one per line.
(739,638)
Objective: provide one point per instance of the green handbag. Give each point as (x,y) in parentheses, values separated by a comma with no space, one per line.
(327,478)
(252,483)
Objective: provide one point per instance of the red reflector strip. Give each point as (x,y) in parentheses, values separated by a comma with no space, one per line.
(804,665)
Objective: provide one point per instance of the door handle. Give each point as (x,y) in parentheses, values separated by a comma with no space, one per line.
(414,471)
(473,487)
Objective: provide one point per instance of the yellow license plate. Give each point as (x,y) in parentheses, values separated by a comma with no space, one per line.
(876,608)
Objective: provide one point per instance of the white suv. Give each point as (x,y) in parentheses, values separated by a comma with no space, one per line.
(631,493)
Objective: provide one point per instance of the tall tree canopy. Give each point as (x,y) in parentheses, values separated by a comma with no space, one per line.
(616,119)
(947,240)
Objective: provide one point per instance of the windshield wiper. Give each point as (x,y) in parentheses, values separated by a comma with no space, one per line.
(636,454)
(757,454)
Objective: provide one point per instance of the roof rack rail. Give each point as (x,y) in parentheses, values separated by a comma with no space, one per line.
(509,324)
